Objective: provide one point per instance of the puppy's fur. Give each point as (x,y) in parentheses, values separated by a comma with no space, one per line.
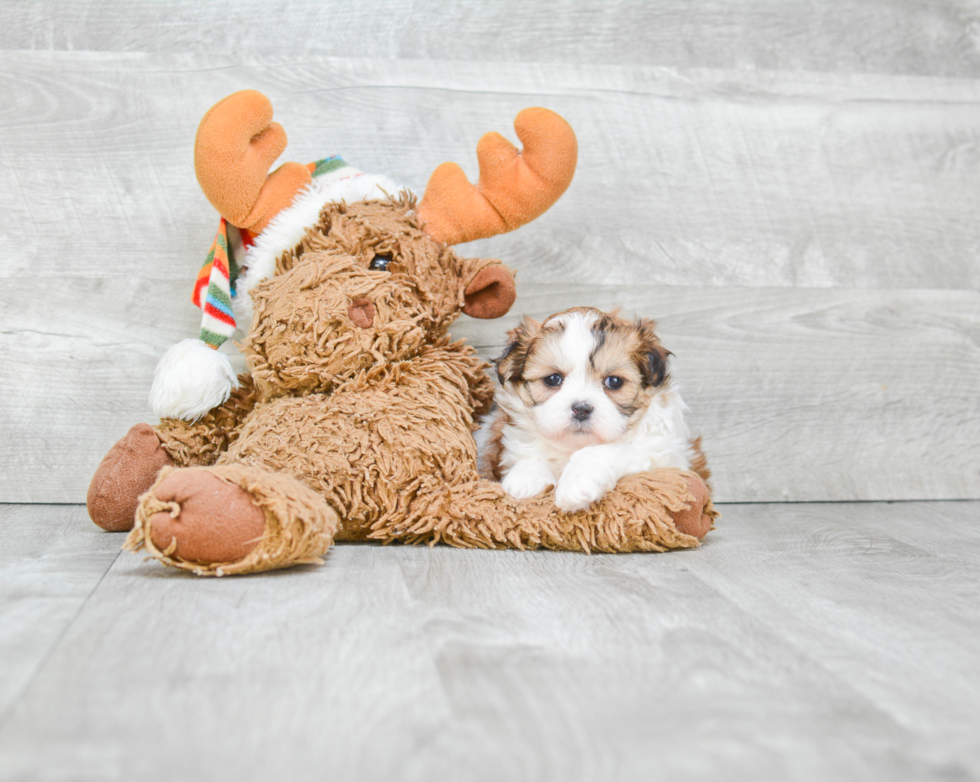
(584,399)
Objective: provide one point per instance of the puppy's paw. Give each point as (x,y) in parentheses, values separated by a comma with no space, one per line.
(582,482)
(525,481)
(578,495)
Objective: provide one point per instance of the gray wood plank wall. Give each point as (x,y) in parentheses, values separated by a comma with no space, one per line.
(791,189)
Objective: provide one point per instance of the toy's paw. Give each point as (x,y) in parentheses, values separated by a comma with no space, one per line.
(583,481)
(694,521)
(527,479)
(210,520)
(127,471)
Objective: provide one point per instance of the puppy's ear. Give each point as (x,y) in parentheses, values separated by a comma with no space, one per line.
(651,356)
(510,366)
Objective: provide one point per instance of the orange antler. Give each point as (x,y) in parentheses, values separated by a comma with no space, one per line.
(514,187)
(236,143)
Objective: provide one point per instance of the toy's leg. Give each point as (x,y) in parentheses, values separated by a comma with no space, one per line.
(371,468)
(127,471)
(133,463)
(654,511)
(699,517)
(231,519)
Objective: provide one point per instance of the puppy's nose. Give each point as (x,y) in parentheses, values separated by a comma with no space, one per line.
(361,313)
(581,411)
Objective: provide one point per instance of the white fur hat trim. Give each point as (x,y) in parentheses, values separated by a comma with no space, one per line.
(286,229)
(190,380)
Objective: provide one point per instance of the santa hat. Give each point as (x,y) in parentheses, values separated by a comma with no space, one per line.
(193,376)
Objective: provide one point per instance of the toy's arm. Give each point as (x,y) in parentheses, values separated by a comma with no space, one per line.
(201,442)
(132,464)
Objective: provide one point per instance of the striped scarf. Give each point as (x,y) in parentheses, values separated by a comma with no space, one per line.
(215,285)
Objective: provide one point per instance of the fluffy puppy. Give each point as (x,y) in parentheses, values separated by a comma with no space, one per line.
(584,399)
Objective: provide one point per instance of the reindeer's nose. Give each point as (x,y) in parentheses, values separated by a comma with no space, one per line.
(581,411)
(361,313)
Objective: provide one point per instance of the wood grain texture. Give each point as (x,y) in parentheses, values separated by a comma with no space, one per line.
(801,642)
(791,189)
(894,36)
(697,177)
(800,394)
(51,561)
(845,586)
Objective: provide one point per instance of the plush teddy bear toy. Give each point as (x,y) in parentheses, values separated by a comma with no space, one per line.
(355,418)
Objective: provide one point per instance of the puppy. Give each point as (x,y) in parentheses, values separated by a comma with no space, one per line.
(584,399)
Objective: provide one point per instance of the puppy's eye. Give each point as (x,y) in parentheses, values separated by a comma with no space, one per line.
(613,382)
(379,263)
(553,381)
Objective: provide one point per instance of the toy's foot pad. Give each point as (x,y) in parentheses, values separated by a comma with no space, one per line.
(694,521)
(210,520)
(126,472)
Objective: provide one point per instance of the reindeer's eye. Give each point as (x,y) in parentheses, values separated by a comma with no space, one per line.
(553,381)
(613,382)
(379,263)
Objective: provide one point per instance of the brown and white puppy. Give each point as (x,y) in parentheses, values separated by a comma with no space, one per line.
(584,399)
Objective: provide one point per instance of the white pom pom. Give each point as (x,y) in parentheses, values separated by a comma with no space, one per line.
(191,379)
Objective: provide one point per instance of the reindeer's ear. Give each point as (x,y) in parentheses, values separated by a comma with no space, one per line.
(490,292)
(651,356)
(510,366)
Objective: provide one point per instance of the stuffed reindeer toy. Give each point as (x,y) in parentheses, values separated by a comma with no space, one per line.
(354,420)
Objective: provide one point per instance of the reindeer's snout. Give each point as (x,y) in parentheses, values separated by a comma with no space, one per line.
(361,313)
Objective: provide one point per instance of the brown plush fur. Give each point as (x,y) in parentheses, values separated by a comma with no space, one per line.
(298,526)
(350,433)
(201,442)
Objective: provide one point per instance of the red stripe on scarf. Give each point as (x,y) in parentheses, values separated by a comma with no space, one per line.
(202,283)
(217,314)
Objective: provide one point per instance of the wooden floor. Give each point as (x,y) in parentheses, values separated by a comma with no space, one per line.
(790,189)
(801,642)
